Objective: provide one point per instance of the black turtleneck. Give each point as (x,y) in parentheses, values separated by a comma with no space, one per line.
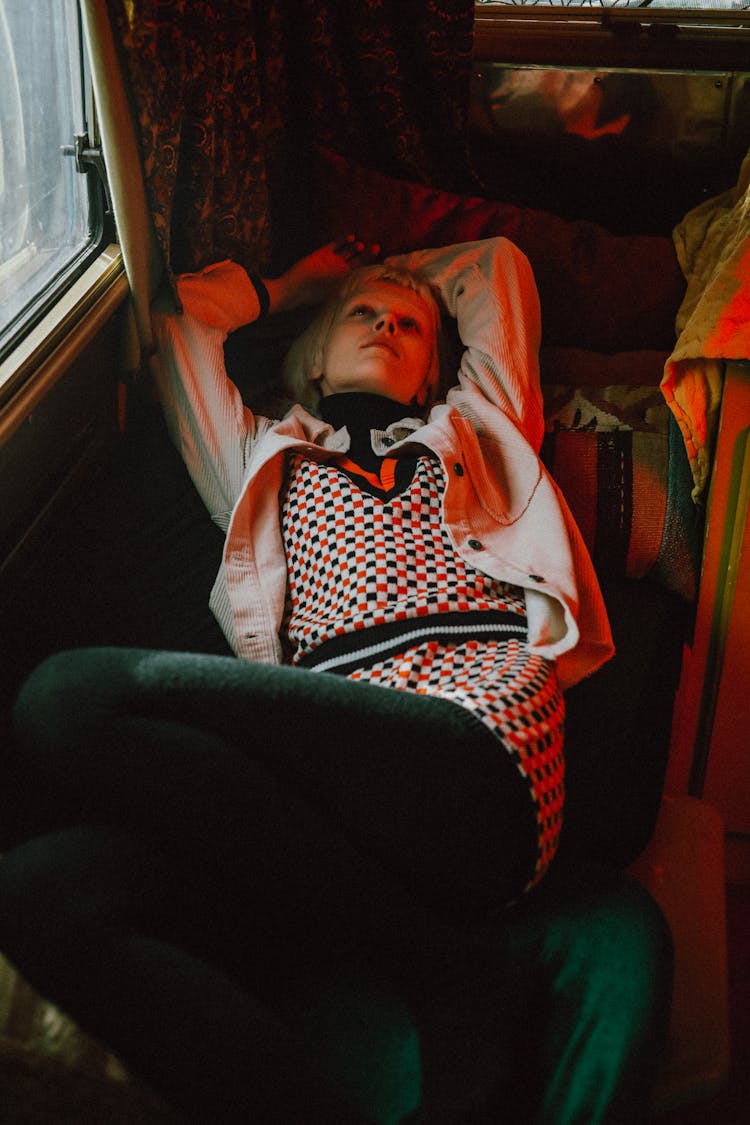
(362,413)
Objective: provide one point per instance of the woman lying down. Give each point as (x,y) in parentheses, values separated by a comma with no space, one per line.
(380,773)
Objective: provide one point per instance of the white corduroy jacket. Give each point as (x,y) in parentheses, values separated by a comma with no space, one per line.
(503,512)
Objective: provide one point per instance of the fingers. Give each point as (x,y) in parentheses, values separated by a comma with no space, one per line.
(354,251)
(317,276)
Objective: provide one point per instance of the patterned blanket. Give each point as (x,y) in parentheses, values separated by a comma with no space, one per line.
(713,322)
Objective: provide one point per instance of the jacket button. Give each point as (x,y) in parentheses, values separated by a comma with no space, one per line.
(458,469)
(536,578)
(476,545)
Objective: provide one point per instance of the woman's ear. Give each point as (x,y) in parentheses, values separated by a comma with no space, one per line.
(315,363)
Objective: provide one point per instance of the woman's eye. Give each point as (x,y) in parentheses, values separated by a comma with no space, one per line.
(361,310)
(409,324)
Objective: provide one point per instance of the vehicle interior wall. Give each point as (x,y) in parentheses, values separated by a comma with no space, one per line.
(47,465)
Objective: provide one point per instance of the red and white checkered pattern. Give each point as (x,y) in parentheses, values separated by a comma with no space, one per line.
(356,560)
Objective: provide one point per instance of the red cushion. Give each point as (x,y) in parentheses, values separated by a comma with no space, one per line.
(599,291)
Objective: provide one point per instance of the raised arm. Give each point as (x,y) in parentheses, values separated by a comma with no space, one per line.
(206,417)
(489,288)
(225,296)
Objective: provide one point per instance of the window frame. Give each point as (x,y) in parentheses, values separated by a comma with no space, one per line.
(25,324)
(642,37)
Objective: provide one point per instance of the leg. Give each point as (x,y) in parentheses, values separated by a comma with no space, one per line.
(307,816)
(169,740)
(81,910)
(110,737)
(593,959)
(259,825)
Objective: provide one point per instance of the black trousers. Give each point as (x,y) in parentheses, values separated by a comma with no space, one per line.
(217,832)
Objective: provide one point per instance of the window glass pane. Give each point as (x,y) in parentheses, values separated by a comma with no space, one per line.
(44,203)
(690,5)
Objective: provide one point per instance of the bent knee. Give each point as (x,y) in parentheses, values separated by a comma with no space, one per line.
(66,692)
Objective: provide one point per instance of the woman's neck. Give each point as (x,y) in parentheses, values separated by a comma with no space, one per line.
(361,409)
(361,413)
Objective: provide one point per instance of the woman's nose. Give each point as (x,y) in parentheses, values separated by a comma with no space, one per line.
(385,322)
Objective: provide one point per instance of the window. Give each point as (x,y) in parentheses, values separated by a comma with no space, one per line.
(663,17)
(687,35)
(51,216)
(621,112)
(689,5)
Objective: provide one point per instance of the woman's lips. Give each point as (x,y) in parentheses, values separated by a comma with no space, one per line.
(381,344)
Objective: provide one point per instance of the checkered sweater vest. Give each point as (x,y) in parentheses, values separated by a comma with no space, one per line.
(378,593)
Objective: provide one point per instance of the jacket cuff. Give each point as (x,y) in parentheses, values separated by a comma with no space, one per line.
(221,295)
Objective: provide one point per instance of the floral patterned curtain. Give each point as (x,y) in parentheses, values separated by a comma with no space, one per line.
(228,96)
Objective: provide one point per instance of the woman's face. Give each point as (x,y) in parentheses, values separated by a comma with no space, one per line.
(381,341)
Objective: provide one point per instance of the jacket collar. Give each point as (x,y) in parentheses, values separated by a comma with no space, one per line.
(299,423)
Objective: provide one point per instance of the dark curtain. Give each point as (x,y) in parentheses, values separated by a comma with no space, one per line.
(229,97)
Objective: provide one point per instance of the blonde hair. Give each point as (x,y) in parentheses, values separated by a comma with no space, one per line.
(304,359)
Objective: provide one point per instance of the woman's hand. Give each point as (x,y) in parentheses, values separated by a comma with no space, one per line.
(224,296)
(316,277)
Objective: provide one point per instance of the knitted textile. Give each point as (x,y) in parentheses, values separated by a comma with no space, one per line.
(377,592)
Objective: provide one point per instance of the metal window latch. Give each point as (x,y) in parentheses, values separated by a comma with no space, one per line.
(88,156)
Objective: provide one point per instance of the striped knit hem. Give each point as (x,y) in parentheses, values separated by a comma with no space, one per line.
(363,648)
